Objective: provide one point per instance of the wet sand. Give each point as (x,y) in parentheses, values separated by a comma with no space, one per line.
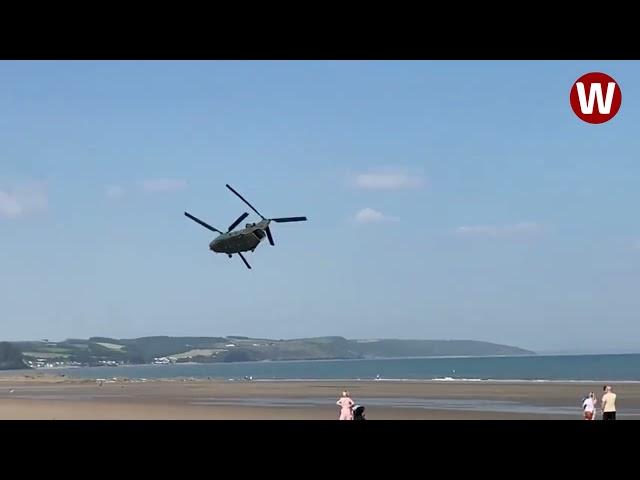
(54,398)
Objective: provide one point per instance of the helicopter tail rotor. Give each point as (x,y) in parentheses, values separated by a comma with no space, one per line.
(245,201)
(268,230)
(278,220)
(244,260)
(289,219)
(237,222)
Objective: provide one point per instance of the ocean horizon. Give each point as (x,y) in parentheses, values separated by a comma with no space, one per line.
(624,367)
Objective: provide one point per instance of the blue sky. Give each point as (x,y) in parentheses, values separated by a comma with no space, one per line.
(445,200)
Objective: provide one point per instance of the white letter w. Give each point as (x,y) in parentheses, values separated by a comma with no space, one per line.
(604,107)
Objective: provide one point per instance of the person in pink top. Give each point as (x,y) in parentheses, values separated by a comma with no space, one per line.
(346,404)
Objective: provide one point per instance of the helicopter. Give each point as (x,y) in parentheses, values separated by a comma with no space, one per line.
(244,240)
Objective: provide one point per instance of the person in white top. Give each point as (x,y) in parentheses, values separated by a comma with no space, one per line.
(589,407)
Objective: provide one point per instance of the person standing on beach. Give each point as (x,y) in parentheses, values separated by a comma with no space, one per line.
(609,404)
(346,406)
(589,407)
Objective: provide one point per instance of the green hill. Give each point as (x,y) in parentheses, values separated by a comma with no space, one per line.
(10,357)
(164,349)
(433,348)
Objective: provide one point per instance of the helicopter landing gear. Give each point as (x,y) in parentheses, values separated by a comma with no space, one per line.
(229,255)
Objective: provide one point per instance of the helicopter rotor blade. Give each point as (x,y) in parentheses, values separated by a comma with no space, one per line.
(245,201)
(239,219)
(268,230)
(205,225)
(244,260)
(289,219)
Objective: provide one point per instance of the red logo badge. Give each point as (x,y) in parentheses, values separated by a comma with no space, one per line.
(595,97)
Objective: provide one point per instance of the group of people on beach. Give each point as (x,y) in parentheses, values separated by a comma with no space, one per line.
(350,411)
(608,406)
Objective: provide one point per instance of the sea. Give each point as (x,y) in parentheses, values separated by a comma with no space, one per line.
(572,368)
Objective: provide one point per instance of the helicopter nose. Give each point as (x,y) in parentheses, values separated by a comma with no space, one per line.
(212,246)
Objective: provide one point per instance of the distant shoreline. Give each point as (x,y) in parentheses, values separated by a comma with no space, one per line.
(328,360)
(497,369)
(6,376)
(436,381)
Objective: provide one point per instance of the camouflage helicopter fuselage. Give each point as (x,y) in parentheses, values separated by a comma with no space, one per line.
(244,240)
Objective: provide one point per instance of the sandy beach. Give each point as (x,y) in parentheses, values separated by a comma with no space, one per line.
(51,397)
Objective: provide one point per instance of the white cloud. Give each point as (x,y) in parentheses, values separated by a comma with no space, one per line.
(22,200)
(388,180)
(114,192)
(521,228)
(369,215)
(163,185)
